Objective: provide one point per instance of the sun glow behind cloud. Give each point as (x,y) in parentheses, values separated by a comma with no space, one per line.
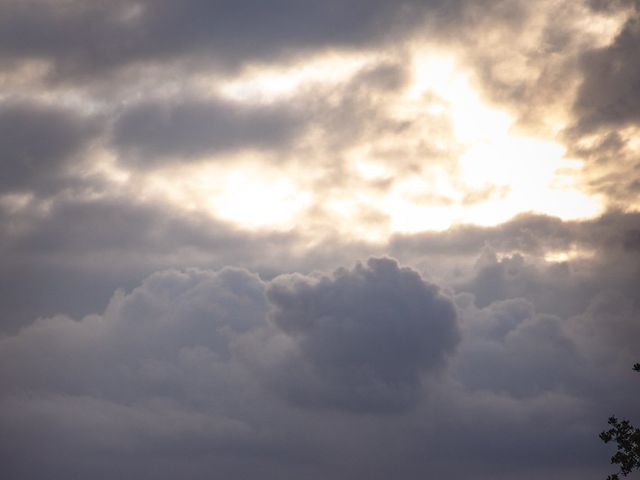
(494,171)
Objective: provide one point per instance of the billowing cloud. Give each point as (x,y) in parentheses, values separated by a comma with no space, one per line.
(109,381)
(167,362)
(205,368)
(362,338)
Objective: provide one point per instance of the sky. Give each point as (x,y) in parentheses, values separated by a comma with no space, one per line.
(306,240)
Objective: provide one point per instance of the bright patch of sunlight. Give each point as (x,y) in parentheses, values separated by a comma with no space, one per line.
(249,195)
(14,202)
(260,83)
(105,164)
(255,199)
(561,256)
(476,167)
(532,173)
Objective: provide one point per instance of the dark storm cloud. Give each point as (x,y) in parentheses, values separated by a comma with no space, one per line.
(152,133)
(93,37)
(363,337)
(38,141)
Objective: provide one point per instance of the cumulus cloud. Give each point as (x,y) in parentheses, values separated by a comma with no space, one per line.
(196,315)
(164,367)
(144,376)
(220,369)
(362,338)
(511,348)
(73,257)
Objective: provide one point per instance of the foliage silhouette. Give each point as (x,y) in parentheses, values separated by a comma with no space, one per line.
(628,439)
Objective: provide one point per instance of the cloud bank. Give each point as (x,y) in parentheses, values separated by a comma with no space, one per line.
(342,239)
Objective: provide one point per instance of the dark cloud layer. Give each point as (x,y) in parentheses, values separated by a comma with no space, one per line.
(181,372)
(153,133)
(38,141)
(83,37)
(609,95)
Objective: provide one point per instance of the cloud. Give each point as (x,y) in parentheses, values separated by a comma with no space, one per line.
(243,351)
(145,376)
(511,348)
(220,369)
(164,369)
(72,253)
(107,37)
(362,338)
(152,133)
(38,142)
(608,95)
(171,315)
(606,119)
(183,367)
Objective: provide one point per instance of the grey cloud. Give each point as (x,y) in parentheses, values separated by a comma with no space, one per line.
(88,37)
(178,367)
(152,375)
(527,233)
(612,166)
(38,141)
(610,318)
(608,101)
(171,317)
(71,258)
(363,337)
(160,383)
(218,371)
(556,288)
(609,94)
(152,133)
(503,341)
(612,5)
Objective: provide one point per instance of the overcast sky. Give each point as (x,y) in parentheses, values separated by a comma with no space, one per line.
(338,239)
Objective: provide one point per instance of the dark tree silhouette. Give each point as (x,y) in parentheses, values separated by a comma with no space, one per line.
(628,439)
